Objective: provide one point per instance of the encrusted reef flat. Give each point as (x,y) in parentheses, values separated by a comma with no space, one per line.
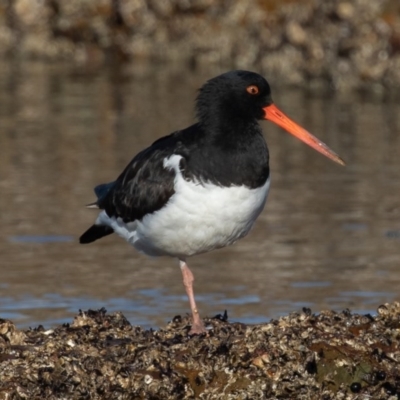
(342,44)
(330,355)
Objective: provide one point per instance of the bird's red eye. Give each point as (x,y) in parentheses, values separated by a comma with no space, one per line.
(252,89)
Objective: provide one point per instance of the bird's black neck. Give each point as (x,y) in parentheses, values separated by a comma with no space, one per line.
(222,118)
(232,153)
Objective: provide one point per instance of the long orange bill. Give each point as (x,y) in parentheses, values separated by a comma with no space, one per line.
(272,113)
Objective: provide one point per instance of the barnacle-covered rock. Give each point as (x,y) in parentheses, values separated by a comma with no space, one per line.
(339,44)
(329,355)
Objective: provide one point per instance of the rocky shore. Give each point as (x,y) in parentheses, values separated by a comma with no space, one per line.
(330,355)
(342,44)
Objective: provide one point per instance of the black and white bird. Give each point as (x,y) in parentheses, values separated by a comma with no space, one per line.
(203,187)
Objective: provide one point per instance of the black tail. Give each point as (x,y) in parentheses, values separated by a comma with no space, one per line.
(95,232)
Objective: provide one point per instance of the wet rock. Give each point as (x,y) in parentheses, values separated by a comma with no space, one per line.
(296,34)
(345,10)
(330,355)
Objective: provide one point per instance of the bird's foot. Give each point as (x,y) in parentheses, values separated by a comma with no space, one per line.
(197,328)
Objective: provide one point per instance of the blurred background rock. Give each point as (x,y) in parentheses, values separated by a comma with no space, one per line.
(336,43)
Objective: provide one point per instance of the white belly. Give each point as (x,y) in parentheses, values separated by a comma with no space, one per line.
(197,218)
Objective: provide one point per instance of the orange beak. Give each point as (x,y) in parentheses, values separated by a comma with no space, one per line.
(272,113)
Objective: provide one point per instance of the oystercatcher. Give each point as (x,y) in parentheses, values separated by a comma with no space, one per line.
(200,188)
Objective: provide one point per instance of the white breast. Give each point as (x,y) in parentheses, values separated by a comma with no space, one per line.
(198,218)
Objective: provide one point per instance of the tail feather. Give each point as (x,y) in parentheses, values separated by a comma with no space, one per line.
(102,190)
(95,232)
(92,205)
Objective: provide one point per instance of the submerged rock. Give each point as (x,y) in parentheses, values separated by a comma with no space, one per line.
(301,356)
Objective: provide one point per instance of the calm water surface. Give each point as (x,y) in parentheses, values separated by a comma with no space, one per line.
(329,236)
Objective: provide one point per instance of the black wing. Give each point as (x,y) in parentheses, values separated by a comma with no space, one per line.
(145,185)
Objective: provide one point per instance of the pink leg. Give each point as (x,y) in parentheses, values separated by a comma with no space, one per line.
(197,325)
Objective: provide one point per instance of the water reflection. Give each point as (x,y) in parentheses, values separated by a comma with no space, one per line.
(322,241)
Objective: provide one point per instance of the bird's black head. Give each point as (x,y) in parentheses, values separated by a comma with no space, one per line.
(233,102)
(235,95)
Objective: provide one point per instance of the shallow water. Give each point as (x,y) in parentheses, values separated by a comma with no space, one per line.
(329,236)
